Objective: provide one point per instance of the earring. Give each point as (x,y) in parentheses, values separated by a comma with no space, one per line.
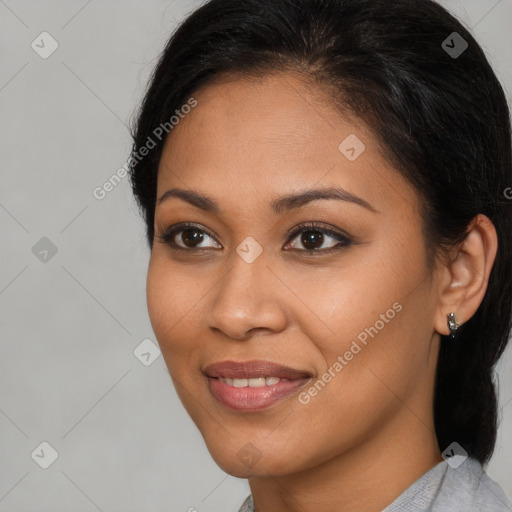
(452,325)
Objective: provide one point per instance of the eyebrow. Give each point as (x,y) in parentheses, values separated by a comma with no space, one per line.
(279,205)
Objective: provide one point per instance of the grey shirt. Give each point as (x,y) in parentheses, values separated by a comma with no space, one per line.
(443,488)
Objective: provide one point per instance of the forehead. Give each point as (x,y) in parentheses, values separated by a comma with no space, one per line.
(270,135)
(277,112)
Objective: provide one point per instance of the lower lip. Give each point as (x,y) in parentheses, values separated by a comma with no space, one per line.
(253,399)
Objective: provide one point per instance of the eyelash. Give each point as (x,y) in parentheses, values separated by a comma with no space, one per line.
(167,237)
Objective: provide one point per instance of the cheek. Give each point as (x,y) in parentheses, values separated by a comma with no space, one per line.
(376,314)
(159,296)
(170,303)
(171,294)
(177,299)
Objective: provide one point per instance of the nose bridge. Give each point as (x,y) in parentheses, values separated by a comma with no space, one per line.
(247,270)
(245,298)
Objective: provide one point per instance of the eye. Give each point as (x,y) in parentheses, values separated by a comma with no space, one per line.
(313,236)
(192,237)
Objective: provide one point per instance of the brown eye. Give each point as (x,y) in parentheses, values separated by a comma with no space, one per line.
(313,236)
(312,239)
(190,237)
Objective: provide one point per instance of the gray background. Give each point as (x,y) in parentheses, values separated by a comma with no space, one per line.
(70,324)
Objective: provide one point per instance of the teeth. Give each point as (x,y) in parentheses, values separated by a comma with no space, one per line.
(256,382)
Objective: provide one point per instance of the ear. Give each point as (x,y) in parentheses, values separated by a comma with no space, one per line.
(464,277)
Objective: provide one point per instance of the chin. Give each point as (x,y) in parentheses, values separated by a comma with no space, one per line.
(248,461)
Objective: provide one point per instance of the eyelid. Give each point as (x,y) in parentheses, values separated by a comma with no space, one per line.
(316,226)
(343,238)
(170,232)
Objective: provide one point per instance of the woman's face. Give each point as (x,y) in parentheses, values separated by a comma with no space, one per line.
(354,317)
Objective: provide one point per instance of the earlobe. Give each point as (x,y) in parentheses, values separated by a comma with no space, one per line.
(453,326)
(467,276)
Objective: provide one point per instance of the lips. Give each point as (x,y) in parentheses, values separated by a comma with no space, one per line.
(252,370)
(253,385)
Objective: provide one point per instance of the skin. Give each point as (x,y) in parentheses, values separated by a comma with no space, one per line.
(369,433)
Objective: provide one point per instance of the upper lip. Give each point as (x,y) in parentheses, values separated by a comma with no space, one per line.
(253,369)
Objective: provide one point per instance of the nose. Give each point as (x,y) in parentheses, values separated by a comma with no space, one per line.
(248,298)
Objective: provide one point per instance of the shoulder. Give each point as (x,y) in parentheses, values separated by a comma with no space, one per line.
(468,486)
(444,488)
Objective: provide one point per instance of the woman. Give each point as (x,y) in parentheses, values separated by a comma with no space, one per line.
(324,185)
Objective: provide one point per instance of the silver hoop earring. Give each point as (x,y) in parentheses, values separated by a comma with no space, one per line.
(452,325)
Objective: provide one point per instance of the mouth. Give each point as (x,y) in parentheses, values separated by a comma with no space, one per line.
(253,385)
(250,370)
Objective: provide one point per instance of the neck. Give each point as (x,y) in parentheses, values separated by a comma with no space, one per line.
(366,478)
